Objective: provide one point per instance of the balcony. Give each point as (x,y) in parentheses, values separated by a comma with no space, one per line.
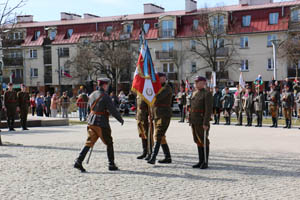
(221,52)
(47,60)
(11,43)
(294,26)
(48,79)
(125,36)
(292,72)
(224,75)
(165,55)
(12,61)
(167,33)
(17,80)
(172,76)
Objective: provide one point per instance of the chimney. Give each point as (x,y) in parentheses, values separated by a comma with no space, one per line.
(89,16)
(24,18)
(150,8)
(69,16)
(254,2)
(190,5)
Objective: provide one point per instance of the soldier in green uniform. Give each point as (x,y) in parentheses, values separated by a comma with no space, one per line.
(274,98)
(227,102)
(248,105)
(287,104)
(10,106)
(98,124)
(238,105)
(259,106)
(142,116)
(162,114)
(23,102)
(201,110)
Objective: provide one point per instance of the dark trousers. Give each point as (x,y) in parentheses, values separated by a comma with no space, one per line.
(32,110)
(182,112)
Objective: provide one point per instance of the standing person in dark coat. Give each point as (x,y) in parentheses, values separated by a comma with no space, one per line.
(287,104)
(98,124)
(10,106)
(227,101)
(217,106)
(259,105)
(47,101)
(24,103)
(248,105)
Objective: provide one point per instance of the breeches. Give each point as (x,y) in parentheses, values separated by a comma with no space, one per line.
(143,127)
(274,111)
(95,132)
(161,127)
(198,135)
(287,113)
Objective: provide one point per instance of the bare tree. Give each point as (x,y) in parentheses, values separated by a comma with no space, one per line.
(7,20)
(212,44)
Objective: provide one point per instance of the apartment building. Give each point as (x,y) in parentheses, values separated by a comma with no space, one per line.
(37,53)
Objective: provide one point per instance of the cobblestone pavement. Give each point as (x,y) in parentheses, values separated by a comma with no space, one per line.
(245,163)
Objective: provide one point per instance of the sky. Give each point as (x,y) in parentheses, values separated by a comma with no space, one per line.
(48,10)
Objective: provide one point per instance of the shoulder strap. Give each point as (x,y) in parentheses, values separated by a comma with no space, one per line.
(97,100)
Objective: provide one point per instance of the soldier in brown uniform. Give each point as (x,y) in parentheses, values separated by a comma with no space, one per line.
(23,102)
(142,115)
(10,106)
(98,124)
(274,97)
(287,104)
(201,110)
(162,113)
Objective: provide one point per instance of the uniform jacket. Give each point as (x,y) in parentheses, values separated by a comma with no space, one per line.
(201,107)
(259,102)
(104,105)
(287,100)
(248,102)
(142,112)
(227,101)
(274,98)
(162,106)
(10,99)
(238,100)
(23,100)
(217,100)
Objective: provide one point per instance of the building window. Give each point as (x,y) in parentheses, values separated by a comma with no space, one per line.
(16,36)
(37,35)
(64,52)
(52,35)
(69,33)
(193,45)
(168,29)
(244,65)
(33,53)
(195,24)
(128,28)
(273,18)
(244,43)
(246,20)
(220,66)
(220,43)
(108,30)
(168,46)
(146,28)
(168,67)
(270,38)
(295,16)
(270,64)
(218,22)
(194,67)
(34,72)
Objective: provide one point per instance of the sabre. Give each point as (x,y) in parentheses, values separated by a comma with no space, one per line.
(150,132)
(88,160)
(205,152)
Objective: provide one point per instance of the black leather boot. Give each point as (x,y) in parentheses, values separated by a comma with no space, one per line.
(201,157)
(111,158)
(247,122)
(204,164)
(79,160)
(276,122)
(167,153)
(290,124)
(286,123)
(250,121)
(144,143)
(24,125)
(12,124)
(273,121)
(258,121)
(216,120)
(154,153)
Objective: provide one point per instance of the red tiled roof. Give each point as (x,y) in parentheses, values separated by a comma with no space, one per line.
(28,42)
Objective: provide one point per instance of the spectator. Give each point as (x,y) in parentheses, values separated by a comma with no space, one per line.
(32,104)
(53,106)
(47,100)
(39,105)
(82,106)
(114,99)
(122,96)
(64,103)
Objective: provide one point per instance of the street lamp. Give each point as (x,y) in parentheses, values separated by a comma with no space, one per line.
(275,47)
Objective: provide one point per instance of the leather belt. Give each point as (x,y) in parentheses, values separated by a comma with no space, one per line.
(100,113)
(162,105)
(198,111)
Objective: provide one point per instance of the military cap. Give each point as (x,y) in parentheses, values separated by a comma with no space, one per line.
(200,78)
(10,84)
(161,74)
(103,80)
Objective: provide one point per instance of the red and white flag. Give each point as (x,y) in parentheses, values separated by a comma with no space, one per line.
(146,82)
(187,85)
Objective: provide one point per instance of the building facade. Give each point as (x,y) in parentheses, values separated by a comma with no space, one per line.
(36,53)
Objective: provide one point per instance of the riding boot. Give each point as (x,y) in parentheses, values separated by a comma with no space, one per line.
(286,123)
(79,160)
(12,122)
(258,121)
(273,121)
(148,157)
(111,158)
(204,164)
(229,120)
(24,125)
(276,122)
(215,117)
(167,153)
(290,124)
(154,153)
(250,121)
(8,124)
(218,119)
(247,122)
(144,143)
(201,157)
